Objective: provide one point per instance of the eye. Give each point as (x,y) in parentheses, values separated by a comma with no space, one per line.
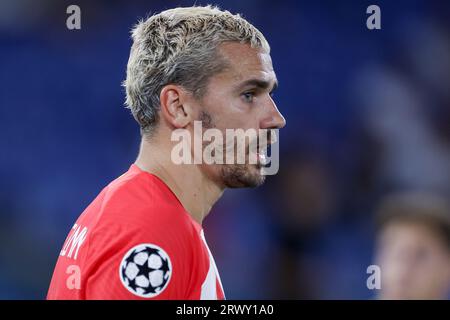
(248,96)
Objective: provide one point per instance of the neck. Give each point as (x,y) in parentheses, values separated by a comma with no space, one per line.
(196,192)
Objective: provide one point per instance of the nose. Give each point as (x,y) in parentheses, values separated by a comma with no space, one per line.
(274,118)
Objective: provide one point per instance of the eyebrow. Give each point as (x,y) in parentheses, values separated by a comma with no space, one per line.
(261,84)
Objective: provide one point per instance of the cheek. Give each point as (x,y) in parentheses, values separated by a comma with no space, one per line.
(436,266)
(230,112)
(222,110)
(236,118)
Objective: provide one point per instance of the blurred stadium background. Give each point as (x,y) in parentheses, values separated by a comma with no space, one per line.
(368,113)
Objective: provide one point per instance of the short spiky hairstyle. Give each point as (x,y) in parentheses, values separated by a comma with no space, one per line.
(179,46)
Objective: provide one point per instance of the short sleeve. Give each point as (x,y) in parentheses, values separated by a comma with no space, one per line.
(131,261)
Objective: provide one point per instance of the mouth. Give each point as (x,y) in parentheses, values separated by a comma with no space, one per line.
(256,152)
(262,158)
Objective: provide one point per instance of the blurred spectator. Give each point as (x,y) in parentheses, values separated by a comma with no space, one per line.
(405,105)
(303,198)
(413,247)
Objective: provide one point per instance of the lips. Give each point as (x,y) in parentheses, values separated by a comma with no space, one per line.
(262,158)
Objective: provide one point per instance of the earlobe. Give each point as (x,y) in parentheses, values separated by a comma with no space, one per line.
(173,110)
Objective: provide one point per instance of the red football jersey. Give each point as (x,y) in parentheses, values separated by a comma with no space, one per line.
(135,241)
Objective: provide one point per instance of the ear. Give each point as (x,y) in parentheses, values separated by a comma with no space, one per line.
(174,106)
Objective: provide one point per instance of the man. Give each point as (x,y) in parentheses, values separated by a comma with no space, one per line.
(413,249)
(142,238)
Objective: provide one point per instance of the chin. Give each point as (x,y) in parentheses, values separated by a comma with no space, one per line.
(242,176)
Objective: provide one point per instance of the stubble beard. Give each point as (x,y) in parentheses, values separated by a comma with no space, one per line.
(235,175)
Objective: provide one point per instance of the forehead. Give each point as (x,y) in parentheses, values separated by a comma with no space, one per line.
(412,232)
(245,62)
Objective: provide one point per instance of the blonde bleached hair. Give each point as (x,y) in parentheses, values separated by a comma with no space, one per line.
(179,46)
